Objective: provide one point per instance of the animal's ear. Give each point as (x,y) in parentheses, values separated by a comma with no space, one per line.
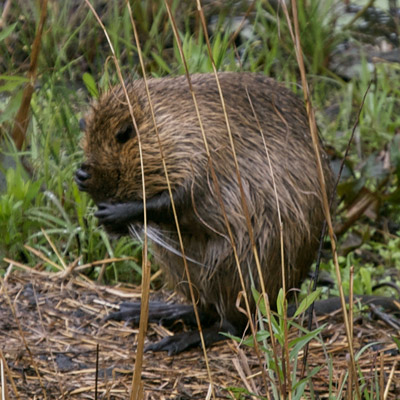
(125,133)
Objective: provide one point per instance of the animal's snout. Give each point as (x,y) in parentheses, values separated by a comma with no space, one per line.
(82,176)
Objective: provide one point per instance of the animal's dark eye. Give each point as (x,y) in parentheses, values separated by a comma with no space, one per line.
(125,134)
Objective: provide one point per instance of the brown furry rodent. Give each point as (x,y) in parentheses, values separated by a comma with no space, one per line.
(111,174)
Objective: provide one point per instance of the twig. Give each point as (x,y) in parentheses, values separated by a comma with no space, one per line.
(22,118)
(389,382)
(4,14)
(96,381)
(10,377)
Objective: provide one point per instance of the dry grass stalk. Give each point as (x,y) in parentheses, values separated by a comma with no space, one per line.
(210,162)
(283,390)
(389,382)
(295,34)
(5,371)
(22,118)
(246,215)
(171,197)
(137,387)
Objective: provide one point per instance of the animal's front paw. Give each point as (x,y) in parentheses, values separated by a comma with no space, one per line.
(111,214)
(119,214)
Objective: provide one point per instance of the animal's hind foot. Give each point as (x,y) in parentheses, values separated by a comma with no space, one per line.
(161,313)
(186,340)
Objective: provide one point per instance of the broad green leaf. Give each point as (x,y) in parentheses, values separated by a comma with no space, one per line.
(279,303)
(12,107)
(306,302)
(90,84)
(7,31)
(11,82)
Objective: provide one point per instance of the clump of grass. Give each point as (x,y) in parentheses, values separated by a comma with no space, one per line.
(283,362)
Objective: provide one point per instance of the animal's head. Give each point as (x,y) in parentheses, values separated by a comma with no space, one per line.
(110,145)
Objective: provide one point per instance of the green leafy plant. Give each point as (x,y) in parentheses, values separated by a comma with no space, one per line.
(289,350)
(21,194)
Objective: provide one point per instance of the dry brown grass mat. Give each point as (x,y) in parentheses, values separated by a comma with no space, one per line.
(51,327)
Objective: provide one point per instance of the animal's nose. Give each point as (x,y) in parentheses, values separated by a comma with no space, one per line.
(81,177)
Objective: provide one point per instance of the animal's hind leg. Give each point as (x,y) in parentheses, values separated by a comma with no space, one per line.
(159,312)
(167,315)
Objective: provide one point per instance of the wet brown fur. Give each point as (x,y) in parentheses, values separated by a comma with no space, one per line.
(116,177)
